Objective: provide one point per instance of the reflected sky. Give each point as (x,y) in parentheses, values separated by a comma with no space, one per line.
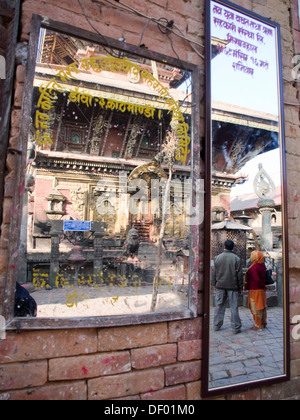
(272,165)
(254,92)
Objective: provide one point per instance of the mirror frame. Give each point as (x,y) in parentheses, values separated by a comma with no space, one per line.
(206,392)
(191,312)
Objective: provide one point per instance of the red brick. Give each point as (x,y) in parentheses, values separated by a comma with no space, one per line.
(281,391)
(294,310)
(123,20)
(20,74)
(295,368)
(195,27)
(7,209)
(131,398)
(71,391)
(295,350)
(15,118)
(189,350)
(186,330)
(14,142)
(182,373)
(56,13)
(112,339)
(295,294)
(253,395)
(3,262)
(154,356)
(157,12)
(18,96)
(167,394)
(90,9)
(90,366)
(125,385)
(161,3)
(291,131)
(37,345)
(193,391)
(11,162)
(185,8)
(10,188)
(22,375)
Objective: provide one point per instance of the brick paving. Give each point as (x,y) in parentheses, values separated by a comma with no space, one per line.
(250,355)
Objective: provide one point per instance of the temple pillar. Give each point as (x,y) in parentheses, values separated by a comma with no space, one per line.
(266,208)
(54,259)
(98,228)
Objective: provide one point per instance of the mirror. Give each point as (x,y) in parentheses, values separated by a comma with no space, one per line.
(109,208)
(245,319)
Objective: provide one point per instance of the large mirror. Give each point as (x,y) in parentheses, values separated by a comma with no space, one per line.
(109,209)
(246,265)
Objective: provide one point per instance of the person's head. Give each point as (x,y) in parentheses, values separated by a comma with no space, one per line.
(229,245)
(257,257)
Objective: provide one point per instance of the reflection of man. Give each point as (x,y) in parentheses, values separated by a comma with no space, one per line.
(228,281)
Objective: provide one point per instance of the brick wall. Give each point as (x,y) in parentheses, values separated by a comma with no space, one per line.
(161,361)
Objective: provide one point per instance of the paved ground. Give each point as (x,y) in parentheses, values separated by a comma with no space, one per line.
(106,301)
(248,356)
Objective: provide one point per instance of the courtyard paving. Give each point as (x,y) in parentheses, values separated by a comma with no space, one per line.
(250,355)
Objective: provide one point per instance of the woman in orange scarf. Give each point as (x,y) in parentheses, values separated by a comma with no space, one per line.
(255,284)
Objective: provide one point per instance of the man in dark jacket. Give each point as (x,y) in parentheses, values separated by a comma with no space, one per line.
(228,282)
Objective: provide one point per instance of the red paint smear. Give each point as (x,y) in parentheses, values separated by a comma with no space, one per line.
(84,370)
(110,359)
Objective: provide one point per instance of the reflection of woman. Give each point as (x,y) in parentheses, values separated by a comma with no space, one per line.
(255,284)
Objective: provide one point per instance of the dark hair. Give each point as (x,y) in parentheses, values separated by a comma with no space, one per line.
(229,245)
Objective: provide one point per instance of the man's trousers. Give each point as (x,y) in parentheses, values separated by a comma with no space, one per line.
(220,301)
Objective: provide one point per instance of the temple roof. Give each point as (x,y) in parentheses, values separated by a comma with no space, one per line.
(80,162)
(249,201)
(229,225)
(244,116)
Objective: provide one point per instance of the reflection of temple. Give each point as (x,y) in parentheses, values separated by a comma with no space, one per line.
(100,145)
(245,210)
(239,135)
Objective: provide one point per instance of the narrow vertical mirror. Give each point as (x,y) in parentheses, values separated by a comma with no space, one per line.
(246,282)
